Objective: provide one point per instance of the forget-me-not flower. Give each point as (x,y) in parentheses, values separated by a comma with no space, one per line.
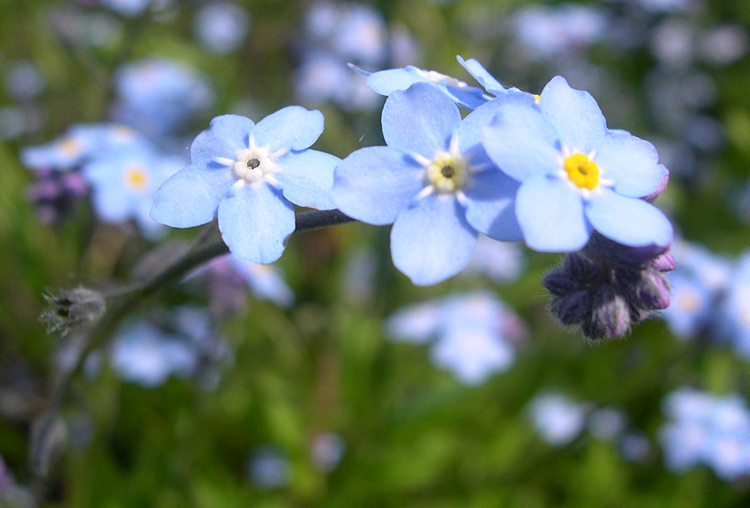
(576,175)
(433,181)
(558,419)
(249,175)
(474,334)
(387,81)
(124,183)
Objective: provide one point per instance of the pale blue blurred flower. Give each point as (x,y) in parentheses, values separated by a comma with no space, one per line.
(249,175)
(733,320)
(474,335)
(433,182)
(326,451)
(361,35)
(123,185)
(81,143)
(576,175)
(607,423)
(23,80)
(267,468)
(129,8)
(502,262)
(635,447)
(159,96)
(221,27)
(265,281)
(691,305)
(550,31)
(145,354)
(558,419)
(707,429)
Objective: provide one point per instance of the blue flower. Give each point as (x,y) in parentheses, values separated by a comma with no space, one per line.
(145,354)
(159,96)
(124,183)
(249,175)
(576,176)
(557,418)
(81,143)
(433,182)
(474,334)
(221,27)
(387,81)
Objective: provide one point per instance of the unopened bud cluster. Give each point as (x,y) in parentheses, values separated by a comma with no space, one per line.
(606,287)
(72,309)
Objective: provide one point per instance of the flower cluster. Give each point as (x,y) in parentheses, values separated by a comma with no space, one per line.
(711,297)
(707,429)
(474,335)
(544,169)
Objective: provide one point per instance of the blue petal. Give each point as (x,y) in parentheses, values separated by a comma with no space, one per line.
(491,205)
(227,135)
(388,81)
(626,220)
(306,178)
(374,184)
(293,127)
(631,163)
(112,204)
(472,127)
(483,77)
(431,240)
(520,140)
(420,119)
(550,212)
(255,221)
(575,114)
(191,196)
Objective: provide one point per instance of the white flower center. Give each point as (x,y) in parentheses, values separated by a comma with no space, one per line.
(254,164)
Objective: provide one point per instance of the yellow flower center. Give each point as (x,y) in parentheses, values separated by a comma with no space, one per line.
(136,178)
(447,172)
(537,98)
(582,171)
(70,147)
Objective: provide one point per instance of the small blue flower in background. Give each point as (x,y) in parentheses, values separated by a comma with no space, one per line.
(82,142)
(23,80)
(145,354)
(707,429)
(474,335)
(733,320)
(229,276)
(221,27)
(576,176)
(132,8)
(159,96)
(557,418)
(249,175)
(552,31)
(326,451)
(500,261)
(433,182)
(267,468)
(123,184)
(148,354)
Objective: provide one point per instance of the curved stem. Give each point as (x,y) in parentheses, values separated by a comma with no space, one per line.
(121,302)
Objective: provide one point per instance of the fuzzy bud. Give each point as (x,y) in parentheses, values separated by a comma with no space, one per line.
(611,312)
(653,290)
(572,308)
(72,309)
(664,263)
(559,282)
(582,268)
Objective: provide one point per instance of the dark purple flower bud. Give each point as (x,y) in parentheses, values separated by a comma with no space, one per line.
(75,184)
(622,255)
(572,308)
(653,290)
(664,263)
(610,312)
(582,268)
(560,282)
